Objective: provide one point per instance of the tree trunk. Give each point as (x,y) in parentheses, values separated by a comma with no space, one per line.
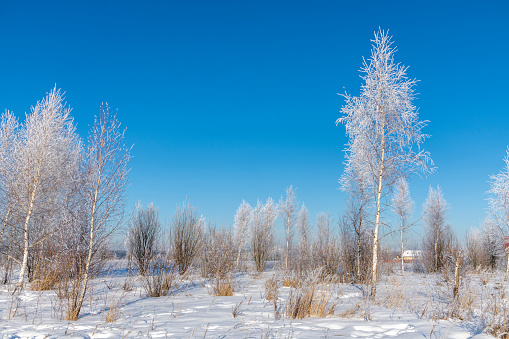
(74,314)
(457,277)
(359,232)
(238,255)
(287,243)
(402,247)
(8,261)
(358,256)
(436,249)
(25,245)
(374,273)
(507,268)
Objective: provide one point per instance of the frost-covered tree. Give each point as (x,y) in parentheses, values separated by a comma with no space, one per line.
(8,129)
(142,236)
(41,169)
(438,234)
(262,240)
(288,212)
(356,215)
(402,205)
(241,226)
(383,128)
(499,201)
(104,180)
(492,237)
(325,249)
(187,230)
(474,248)
(304,237)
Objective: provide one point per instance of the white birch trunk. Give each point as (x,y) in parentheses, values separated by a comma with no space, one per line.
(25,243)
(374,273)
(402,247)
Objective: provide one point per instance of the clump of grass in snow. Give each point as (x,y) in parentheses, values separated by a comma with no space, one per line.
(308,300)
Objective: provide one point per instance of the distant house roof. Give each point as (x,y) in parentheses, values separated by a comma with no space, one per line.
(412,253)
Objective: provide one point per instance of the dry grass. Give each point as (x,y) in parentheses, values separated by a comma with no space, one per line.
(128,285)
(45,284)
(160,279)
(224,286)
(499,329)
(290,282)
(394,296)
(350,312)
(271,289)
(236,310)
(307,300)
(113,313)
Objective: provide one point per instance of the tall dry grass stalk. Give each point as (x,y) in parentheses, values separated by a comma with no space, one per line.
(309,300)
(271,288)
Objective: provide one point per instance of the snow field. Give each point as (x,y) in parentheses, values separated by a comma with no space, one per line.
(409,306)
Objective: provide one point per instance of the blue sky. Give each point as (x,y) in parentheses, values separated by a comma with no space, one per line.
(232,100)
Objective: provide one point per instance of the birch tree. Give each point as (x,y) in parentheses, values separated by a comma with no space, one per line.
(288,212)
(241,226)
(402,205)
(45,157)
(437,232)
(383,128)
(8,129)
(104,180)
(304,238)
(499,201)
(8,132)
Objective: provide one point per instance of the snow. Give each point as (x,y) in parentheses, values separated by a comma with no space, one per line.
(193,312)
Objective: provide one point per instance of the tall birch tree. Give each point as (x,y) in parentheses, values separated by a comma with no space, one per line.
(383,128)
(104,180)
(241,226)
(499,202)
(40,173)
(402,205)
(288,212)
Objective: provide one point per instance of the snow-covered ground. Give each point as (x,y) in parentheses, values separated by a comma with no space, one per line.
(409,306)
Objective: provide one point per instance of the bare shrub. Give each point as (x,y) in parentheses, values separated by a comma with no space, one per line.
(161,279)
(326,253)
(264,218)
(356,247)
(218,256)
(186,236)
(218,252)
(143,233)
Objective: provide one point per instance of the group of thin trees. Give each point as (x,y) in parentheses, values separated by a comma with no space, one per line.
(60,197)
(384,149)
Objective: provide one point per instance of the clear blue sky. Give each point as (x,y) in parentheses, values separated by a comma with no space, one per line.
(232,100)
